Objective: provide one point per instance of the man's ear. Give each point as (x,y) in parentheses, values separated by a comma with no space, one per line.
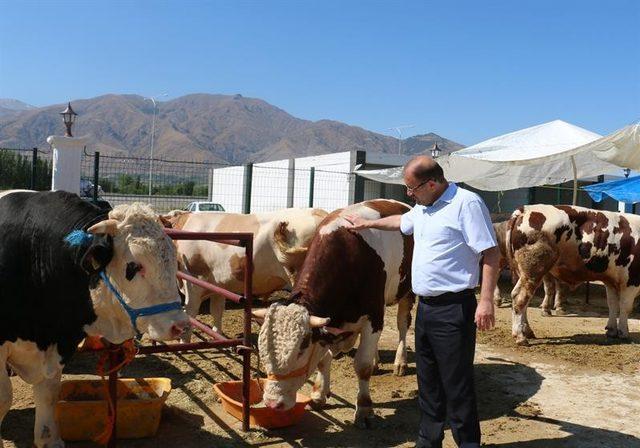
(98,254)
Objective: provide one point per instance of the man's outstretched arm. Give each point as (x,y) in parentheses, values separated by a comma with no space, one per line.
(387,223)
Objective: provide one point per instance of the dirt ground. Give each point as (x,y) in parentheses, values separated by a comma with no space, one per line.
(570,388)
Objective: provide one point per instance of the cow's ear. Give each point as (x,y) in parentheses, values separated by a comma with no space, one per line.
(165,221)
(98,254)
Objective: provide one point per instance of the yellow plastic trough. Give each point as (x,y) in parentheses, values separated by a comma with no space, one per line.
(82,409)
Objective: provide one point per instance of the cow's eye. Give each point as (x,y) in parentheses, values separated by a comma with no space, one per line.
(132,269)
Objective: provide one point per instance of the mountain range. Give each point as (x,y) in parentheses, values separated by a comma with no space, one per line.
(202,127)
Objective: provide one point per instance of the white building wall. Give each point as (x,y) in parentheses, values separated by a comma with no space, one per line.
(331,186)
(269,186)
(226,187)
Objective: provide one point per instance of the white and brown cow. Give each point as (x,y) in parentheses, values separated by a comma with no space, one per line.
(575,245)
(61,259)
(347,280)
(554,289)
(280,243)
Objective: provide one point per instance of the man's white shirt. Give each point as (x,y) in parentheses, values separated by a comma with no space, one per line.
(449,238)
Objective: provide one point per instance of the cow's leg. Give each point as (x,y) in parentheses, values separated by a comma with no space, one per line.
(45,395)
(626,307)
(403,321)
(520,328)
(561,293)
(497,298)
(363,364)
(321,387)
(613,303)
(193,300)
(6,394)
(533,263)
(216,308)
(549,294)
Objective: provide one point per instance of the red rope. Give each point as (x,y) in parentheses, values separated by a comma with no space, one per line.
(129,350)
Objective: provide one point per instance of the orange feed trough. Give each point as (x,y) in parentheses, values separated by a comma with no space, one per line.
(82,409)
(230,393)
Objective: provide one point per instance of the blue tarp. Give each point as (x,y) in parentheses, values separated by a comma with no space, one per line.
(624,190)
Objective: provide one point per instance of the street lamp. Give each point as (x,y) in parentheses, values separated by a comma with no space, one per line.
(435,151)
(68,117)
(397,129)
(153,131)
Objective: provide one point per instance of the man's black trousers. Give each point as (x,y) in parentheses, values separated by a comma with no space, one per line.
(445,347)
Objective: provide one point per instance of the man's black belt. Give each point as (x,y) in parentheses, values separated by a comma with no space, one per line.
(448,297)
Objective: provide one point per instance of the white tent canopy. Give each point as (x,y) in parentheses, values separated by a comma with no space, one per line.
(549,153)
(622,148)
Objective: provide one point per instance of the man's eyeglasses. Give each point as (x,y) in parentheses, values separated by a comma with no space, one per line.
(414,189)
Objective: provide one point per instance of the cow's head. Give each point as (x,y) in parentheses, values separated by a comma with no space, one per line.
(139,260)
(291,345)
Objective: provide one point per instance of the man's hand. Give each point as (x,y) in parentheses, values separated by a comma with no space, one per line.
(355,222)
(485,315)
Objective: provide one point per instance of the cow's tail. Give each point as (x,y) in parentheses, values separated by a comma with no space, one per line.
(287,253)
(511,225)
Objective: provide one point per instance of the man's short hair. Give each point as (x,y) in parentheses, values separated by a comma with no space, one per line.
(423,174)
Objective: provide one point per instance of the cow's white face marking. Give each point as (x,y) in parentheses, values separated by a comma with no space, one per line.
(139,239)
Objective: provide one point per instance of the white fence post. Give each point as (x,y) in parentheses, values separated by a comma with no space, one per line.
(67,160)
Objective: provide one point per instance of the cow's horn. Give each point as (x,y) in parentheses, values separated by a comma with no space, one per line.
(317,322)
(108,226)
(259,313)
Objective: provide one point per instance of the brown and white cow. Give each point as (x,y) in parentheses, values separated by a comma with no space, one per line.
(575,244)
(280,243)
(346,280)
(554,289)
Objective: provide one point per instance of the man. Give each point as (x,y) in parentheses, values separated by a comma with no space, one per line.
(452,232)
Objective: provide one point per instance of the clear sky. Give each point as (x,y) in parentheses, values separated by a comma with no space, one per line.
(465,70)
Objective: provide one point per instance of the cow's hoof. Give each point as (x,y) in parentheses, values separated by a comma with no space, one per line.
(318,403)
(49,444)
(545,312)
(612,333)
(400,369)
(363,418)
(522,341)
(561,312)
(318,399)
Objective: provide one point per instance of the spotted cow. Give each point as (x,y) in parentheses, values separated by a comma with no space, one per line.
(554,289)
(575,245)
(346,281)
(62,260)
(280,243)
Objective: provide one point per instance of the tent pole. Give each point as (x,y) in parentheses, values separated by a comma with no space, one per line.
(575,180)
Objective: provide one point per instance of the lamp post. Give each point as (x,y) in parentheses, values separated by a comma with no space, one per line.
(153,131)
(68,117)
(435,151)
(67,155)
(397,129)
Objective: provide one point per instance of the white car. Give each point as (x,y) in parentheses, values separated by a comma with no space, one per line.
(201,206)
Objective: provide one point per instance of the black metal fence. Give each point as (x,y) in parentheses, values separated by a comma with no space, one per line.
(25,169)
(165,184)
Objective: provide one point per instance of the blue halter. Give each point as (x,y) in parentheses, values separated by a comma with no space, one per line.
(134,313)
(79,237)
